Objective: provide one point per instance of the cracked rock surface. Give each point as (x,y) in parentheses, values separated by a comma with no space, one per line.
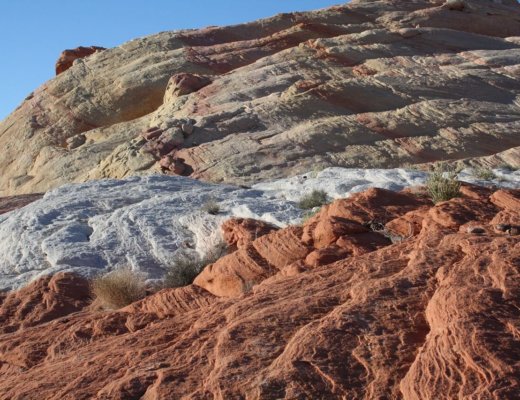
(365,84)
(432,316)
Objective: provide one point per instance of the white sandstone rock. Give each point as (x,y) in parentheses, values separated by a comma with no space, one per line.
(142,222)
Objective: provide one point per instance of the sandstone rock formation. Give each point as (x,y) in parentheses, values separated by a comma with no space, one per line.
(67,57)
(366,84)
(147,222)
(44,300)
(433,316)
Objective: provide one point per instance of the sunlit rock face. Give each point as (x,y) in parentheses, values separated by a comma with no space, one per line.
(365,84)
(67,57)
(145,223)
(328,310)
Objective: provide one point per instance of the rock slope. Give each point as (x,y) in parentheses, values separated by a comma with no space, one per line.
(367,84)
(433,315)
(146,222)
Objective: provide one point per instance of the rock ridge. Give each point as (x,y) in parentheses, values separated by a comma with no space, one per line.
(365,84)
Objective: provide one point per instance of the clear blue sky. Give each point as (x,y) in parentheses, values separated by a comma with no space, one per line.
(34,32)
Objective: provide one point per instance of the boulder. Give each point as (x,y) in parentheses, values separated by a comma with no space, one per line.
(183,84)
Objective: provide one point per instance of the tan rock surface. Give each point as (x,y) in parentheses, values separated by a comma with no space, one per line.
(434,316)
(366,84)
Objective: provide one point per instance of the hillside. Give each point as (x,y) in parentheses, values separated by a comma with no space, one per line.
(365,84)
(317,205)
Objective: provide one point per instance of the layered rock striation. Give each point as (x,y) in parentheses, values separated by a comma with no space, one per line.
(419,302)
(365,84)
(146,223)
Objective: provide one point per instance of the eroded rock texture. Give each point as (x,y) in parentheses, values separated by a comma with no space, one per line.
(433,315)
(67,57)
(366,84)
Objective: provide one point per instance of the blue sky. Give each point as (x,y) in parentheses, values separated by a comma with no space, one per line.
(34,32)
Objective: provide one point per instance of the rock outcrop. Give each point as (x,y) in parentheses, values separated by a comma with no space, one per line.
(433,315)
(67,57)
(44,300)
(145,223)
(365,84)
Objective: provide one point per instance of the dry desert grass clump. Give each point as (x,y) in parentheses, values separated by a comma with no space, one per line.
(316,198)
(442,185)
(118,288)
(186,267)
(211,207)
(484,173)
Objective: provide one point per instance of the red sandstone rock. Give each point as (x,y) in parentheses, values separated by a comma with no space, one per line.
(183,84)
(68,57)
(240,232)
(435,316)
(43,300)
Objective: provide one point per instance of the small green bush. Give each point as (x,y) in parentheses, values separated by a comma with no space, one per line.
(442,185)
(186,267)
(316,198)
(211,207)
(118,288)
(483,173)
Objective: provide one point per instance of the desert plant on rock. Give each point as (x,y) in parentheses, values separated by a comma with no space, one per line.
(483,173)
(186,267)
(118,288)
(316,198)
(211,207)
(442,184)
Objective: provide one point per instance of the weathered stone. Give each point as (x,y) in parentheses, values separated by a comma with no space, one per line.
(76,141)
(68,57)
(187,128)
(183,84)
(456,5)
(365,84)
(270,328)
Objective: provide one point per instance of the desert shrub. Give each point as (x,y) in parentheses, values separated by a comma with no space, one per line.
(211,207)
(316,198)
(411,167)
(183,271)
(483,173)
(118,288)
(443,185)
(186,267)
